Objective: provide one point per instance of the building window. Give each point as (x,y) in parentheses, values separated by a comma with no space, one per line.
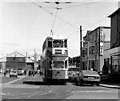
(92,50)
(101,50)
(83,53)
(101,37)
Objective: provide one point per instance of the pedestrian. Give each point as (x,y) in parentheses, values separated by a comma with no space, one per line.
(25,72)
(33,73)
(29,73)
(5,73)
(40,72)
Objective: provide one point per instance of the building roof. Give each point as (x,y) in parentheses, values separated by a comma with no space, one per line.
(106,27)
(87,33)
(118,10)
(15,54)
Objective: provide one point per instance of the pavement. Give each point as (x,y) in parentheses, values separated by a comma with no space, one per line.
(110,86)
(38,78)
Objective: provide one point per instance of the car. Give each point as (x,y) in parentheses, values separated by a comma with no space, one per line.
(20,71)
(72,73)
(87,77)
(13,73)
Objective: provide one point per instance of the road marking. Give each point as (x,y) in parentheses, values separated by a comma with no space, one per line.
(15,80)
(4,93)
(50,91)
(91,91)
(19,86)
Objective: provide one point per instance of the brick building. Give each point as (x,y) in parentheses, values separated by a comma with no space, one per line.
(115,42)
(16,61)
(96,41)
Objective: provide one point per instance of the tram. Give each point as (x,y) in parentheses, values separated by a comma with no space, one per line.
(55,59)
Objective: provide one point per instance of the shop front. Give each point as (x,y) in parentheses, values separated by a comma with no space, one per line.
(115,65)
(115,61)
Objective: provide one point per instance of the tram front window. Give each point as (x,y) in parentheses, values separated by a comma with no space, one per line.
(58,64)
(57,43)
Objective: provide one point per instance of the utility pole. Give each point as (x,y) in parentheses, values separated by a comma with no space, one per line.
(34,59)
(26,60)
(81,64)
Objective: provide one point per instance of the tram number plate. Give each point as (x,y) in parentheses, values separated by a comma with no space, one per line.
(91,77)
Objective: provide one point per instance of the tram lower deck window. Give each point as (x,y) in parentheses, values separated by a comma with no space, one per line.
(58,64)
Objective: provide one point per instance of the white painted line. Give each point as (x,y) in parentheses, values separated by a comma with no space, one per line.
(41,94)
(4,93)
(47,92)
(20,86)
(15,80)
(98,91)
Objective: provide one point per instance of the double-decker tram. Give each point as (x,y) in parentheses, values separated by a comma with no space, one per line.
(55,59)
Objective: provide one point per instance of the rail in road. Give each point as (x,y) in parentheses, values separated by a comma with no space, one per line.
(68,91)
(17,89)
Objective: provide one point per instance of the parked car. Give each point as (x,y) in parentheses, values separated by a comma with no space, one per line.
(20,71)
(88,77)
(13,73)
(72,73)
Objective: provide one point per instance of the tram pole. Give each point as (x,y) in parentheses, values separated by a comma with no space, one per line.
(81,64)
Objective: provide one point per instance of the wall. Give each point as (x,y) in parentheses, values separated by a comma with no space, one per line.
(104,44)
(115,30)
(15,62)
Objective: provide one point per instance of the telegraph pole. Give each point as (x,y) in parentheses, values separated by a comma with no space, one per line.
(81,64)
(34,59)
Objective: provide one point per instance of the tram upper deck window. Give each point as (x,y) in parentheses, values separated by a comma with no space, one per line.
(65,43)
(58,43)
(50,44)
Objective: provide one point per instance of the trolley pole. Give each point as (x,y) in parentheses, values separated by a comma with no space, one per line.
(81,64)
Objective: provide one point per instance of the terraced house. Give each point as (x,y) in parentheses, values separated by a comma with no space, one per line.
(95,42)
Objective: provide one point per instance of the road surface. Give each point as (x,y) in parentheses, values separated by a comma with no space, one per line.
(36,89)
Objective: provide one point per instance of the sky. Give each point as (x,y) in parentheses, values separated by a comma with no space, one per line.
(25,24)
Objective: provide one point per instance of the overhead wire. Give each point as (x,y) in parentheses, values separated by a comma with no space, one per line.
(56,16)
(54,21)
(79,5)
(102,19)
